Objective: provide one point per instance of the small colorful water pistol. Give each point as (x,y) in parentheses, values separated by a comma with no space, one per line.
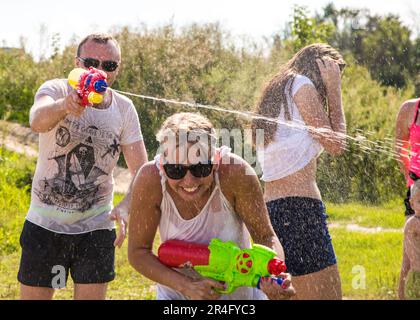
(90,84)
(224,261)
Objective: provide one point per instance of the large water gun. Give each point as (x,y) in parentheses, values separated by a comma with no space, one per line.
(90,84)
(224,261)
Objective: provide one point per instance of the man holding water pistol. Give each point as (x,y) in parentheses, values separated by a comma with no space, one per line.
(70,224)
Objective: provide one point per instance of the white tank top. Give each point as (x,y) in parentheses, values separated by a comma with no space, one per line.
(293,147)
(217,219)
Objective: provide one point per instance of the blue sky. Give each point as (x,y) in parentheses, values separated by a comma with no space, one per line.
(253,18)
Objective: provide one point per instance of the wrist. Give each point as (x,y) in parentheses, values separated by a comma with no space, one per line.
(335,104)
(123,206)
(61,104)
(333,92)
(123,213)
(183,286)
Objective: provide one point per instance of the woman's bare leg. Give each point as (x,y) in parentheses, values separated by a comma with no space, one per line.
(321,285)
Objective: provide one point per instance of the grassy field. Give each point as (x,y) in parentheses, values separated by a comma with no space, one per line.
(368,261)
(387,216)
(371,255)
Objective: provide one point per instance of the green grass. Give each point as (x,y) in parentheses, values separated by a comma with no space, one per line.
(15,178)
(128,283)
(389,215)
(15,173)
(379,255)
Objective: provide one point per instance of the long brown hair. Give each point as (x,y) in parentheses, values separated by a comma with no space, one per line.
(274,95)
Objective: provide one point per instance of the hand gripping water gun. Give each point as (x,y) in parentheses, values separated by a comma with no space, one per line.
(90,84)
(224,261)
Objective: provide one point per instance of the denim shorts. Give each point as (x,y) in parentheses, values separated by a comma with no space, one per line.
(301,226)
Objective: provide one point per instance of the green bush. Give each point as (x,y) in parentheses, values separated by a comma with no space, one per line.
(199,64)
(202,63)
(368,171)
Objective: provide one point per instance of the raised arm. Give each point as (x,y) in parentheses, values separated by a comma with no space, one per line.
(135,156)
(330,129)
(47,112)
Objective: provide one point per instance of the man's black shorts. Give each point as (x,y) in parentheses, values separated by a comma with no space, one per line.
(89,257)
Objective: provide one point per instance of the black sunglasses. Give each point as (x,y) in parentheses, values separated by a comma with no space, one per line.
(178,171)
(107,65)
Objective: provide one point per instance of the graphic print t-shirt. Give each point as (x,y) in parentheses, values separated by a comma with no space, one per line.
(72,190)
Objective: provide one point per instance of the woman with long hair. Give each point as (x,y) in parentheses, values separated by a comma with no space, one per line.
(301,114)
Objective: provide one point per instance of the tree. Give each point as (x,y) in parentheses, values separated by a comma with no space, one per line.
(382,44)
(386,50)
(306,30)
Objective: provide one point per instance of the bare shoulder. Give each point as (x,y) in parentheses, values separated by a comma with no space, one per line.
(412,226)
(149,170)
(235,173)
(405,118)
(305,92)
(407,108)
(409,104)
(233,166)
(308,101)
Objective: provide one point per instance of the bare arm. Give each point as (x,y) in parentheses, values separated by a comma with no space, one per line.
(330,129)
(46,112)
(249,202)
(405,267)
(250,206)
(144,220)
(135,156)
